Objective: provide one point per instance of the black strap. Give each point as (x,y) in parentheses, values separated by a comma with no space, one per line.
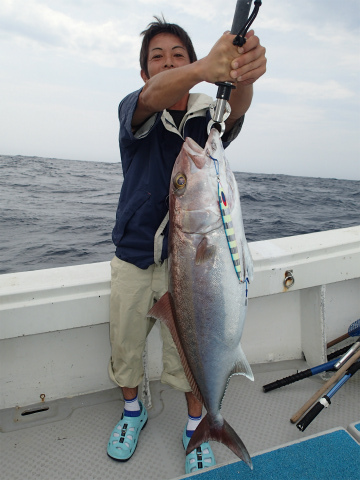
(240,39)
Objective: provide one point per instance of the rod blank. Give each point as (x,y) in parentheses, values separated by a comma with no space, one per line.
(241,15)
(324,388)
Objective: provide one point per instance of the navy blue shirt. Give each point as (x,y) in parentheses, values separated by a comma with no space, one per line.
(147,158)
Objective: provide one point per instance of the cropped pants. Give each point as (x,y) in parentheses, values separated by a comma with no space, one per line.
(133,292)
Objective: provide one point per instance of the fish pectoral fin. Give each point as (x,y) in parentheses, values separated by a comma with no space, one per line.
(163,311)
(242,366)
(221,432)
(205,252)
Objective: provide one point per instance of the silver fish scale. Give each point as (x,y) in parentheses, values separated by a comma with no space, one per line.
(209,300)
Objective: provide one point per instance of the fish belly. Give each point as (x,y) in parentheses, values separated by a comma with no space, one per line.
(211,307)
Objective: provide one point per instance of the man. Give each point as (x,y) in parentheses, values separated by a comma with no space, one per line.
(153,124)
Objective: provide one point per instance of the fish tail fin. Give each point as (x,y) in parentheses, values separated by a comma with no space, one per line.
(242,366)
(219,431)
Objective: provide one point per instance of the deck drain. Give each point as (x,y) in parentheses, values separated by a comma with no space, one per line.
(32,411)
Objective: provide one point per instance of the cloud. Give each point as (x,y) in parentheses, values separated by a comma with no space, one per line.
(300,89)
(37,25)
(56,60)
(201,9)
(327,25)
(294,139)
(284,117)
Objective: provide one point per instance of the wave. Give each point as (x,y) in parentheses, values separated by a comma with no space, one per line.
(61,212)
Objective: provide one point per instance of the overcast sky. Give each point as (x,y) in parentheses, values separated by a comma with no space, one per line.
(65,65)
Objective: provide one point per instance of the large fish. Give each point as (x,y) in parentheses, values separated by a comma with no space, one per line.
(206,304)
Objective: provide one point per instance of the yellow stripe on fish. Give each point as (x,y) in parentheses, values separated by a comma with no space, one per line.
(229,232)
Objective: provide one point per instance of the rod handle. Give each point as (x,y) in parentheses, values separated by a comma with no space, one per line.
(287,380)
(324,388)
(309,417)
(300,375)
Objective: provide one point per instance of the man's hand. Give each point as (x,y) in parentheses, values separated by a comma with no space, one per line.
(251,63)
(246,68)
(228,63)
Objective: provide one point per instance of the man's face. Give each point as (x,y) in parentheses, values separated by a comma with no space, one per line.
(165,51)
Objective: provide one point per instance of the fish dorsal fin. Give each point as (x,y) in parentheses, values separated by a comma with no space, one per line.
(205,252)
(163,310)
(242,366)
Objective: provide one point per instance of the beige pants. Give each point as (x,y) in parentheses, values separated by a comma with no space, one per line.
(133,292)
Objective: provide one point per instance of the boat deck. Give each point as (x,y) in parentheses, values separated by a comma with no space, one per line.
(68,441)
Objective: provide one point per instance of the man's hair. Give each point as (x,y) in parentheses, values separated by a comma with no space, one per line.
(161,26)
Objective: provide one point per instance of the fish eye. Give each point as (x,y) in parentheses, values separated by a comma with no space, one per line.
(180,181)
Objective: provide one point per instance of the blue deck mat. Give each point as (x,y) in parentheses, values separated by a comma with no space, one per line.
(331,456)
(357,426)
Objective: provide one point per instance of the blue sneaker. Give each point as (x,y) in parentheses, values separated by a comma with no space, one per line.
(200,458)
(124,437)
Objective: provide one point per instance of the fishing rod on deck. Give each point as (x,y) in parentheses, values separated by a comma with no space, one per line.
(324,367)
(220,110)
(353,330)
(324,402)
(325,388)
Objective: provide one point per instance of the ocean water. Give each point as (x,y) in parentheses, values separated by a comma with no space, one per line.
(56,213)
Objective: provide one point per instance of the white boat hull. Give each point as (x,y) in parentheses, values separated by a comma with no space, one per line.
(54,330)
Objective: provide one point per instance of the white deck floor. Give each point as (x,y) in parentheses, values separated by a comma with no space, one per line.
(69,440)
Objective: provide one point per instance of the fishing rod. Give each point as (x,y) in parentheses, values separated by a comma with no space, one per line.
(331,365)
(353,331)
(220,110)
(347,355)
(339,352)
(324,402)
(324,388)
(324,367)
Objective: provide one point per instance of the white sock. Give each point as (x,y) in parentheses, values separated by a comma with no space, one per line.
(132,405)
(192,424)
